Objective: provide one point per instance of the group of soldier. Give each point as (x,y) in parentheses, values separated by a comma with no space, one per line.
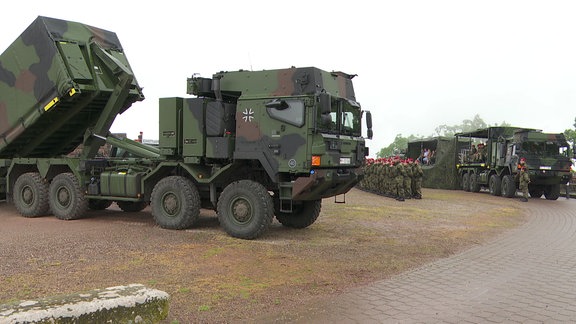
(393,177)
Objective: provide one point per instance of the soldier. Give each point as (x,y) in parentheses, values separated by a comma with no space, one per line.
(386,178)
(379,177)
(400,174)
(524,181)
(408,179)
(417,174)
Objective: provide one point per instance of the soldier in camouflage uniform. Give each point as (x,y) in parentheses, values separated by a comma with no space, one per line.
(400,174)
(408,178)
(390,179)
(524,181)
(364,183)
(377,176)
(417,174)
(392,192)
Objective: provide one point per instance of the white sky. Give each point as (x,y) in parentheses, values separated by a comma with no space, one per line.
(420,63)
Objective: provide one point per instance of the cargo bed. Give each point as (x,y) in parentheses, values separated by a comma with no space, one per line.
(56,81)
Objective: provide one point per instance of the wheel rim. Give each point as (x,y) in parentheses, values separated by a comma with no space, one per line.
(241,210)
(170,204)
(27,195)
(63,196)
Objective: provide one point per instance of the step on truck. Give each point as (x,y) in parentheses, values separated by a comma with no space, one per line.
(489,158)
(249,144)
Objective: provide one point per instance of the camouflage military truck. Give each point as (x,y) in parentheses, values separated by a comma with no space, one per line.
(491,160)
(251,144)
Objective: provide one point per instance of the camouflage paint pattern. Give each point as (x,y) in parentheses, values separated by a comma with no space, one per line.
(547,167)
(284,139)
(284,146)
(52,87)
(543,160)
(544,170)
(442,174)
(286,83)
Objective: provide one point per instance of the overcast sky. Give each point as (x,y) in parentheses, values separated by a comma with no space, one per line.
(420,64)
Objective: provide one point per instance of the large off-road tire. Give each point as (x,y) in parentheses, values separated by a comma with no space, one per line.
(536,191)
(67,199)
(132,206)
(508,186)
(175,203)
(495,185)
(30,195)
(99,204)
(466,182)
(245,209)
(552,192)
(474,185)
(303,214)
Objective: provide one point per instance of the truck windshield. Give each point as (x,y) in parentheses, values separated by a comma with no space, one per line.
(344,118)
(544,149)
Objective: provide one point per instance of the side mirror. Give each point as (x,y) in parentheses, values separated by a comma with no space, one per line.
(369,132)
(325,103)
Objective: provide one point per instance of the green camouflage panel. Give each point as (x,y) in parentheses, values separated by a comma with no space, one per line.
(286,140)
(286,82)
(441,172)
(53,86)
(278,121)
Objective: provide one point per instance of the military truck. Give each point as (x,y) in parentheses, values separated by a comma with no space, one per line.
(491,160)
(250,144)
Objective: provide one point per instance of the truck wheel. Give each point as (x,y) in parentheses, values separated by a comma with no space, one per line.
(495,185)
(536,191)
(303,215)
(245,209)
(466,182)
(175,203)
(98,204)
(508,186)
(474,185)
(67,199)
(132,206)
(30,195)
(552,192)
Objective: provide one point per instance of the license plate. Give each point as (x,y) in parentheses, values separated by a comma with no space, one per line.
(344,160)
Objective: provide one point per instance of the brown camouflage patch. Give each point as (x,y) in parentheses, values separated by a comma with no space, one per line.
(25,81)
(247,126)
(285,83)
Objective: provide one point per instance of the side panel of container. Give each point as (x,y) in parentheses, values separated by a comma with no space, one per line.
(53,87)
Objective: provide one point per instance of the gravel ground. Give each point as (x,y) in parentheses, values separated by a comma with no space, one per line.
(214,278)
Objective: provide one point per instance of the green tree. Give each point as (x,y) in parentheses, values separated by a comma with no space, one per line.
(400,143)
(399,146)
(467,125)
(571,136)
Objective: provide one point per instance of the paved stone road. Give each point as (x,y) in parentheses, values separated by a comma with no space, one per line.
(528,275)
